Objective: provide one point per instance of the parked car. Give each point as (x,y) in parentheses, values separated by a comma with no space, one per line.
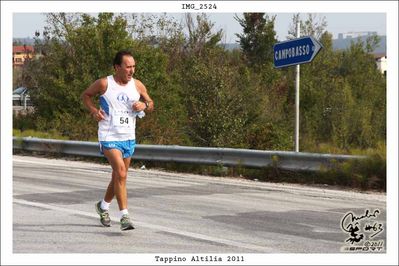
(20,97)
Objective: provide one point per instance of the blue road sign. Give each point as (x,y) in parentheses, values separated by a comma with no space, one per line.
(295,52)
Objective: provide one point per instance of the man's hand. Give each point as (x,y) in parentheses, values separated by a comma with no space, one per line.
(138,106)
(98,115)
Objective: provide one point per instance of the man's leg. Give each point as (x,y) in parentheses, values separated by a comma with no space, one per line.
(119,176)
(109,194)
(117,186)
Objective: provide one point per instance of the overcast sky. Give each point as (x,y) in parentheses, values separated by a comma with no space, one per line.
(25,24)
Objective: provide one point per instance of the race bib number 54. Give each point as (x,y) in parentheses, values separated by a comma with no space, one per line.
(122,119)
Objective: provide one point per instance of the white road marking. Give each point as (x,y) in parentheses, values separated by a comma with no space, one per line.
(156,227)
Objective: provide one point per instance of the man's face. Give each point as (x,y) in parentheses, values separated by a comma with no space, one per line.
(126,69)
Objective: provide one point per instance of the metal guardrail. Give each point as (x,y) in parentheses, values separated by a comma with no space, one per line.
(294,161)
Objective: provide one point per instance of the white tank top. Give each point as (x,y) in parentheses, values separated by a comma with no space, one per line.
(120,119)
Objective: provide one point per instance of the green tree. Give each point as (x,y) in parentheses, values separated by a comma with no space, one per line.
(78,49)
(258,38)
(164,126)
(269,126)
(313,26)
(16,77)
(368,87)
(205,95)
(160,31)
(200,34)
(342,98)
(216,101)
(319,81)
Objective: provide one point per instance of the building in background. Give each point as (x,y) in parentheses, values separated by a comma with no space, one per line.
(345,40)
(355,34)
(21,53)
(381,60)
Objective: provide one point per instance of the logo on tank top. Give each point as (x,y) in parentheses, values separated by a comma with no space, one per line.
(122,97)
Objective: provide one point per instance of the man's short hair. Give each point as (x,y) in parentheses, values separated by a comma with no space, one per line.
(119,55)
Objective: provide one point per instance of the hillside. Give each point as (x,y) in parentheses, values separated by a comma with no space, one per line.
(338,44)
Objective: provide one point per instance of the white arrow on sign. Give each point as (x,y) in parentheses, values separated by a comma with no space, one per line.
(316,47)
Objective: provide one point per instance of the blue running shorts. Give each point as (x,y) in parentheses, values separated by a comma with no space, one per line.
(126,147)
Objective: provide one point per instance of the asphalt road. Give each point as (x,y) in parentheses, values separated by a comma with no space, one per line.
(53,212)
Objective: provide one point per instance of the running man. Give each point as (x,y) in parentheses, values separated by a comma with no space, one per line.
(122,98)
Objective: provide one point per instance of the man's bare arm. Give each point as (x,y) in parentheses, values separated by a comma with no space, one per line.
(143,93)
(98,87)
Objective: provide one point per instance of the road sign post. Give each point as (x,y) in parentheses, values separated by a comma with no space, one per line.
(296,52)
(298,34)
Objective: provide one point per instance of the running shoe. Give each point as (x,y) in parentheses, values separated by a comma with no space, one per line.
(126,224)
(104,215)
